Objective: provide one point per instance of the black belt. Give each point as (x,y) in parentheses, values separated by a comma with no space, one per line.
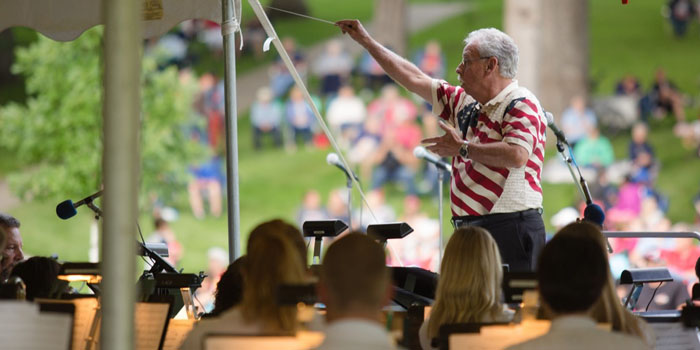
(473,220)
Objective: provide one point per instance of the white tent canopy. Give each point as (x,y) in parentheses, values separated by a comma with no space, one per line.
(64,20)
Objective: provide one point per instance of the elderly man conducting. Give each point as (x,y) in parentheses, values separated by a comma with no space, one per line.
(494,132)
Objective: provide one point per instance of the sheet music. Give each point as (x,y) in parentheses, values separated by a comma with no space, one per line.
(674,336)
(149,324)
(177,331)
(22,327)
(499,337)
(85,309)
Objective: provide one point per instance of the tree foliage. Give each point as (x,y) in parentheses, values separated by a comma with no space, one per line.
(56,134)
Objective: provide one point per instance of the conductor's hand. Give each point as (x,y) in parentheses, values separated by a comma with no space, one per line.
(446,145)
(353,28)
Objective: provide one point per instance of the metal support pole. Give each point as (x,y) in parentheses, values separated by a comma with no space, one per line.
(349,187)
(440,195)
(120,168)
(232,189)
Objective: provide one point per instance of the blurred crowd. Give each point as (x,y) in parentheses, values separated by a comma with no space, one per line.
(625,186)
(375,124)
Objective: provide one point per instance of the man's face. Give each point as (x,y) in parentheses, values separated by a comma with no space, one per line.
(12,254)
(470,69)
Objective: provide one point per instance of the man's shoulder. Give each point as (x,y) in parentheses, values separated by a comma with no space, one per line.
(522,96)
(582,339)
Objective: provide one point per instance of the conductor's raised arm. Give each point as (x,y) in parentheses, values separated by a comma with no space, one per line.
(397,67)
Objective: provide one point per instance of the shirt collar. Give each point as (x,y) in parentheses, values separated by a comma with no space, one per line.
(573,321)
(502,95)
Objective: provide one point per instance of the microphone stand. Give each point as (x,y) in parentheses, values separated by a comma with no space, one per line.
(348,185)
(580,182)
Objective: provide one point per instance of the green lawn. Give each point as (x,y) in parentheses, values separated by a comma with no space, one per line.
(624,39)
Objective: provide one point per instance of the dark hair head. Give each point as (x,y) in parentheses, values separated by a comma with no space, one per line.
(8,221)
(572,272)
(159,222)
(39,275)
(290,231)
(229,290)
(354,272)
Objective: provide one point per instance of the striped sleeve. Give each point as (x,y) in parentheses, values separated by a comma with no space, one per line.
(445,99)
(522,125)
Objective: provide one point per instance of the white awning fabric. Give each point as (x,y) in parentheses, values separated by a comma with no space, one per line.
(65,20)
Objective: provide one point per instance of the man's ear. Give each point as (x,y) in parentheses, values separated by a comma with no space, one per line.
(492,65)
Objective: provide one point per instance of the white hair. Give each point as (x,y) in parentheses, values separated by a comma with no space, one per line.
(493,42)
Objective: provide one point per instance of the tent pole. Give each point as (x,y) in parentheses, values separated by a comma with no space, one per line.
(120,169)
(232,189)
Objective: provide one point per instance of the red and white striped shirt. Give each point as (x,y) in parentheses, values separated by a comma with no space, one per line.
(478,189)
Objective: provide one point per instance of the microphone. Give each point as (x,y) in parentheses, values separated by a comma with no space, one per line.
(333,159)
(66,209)
(421,152)
(558,133)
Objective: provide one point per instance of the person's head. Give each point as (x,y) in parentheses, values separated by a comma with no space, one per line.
(572,270)
(217,260)
(338,201)
(432,47)
(489,55)
(291,233)
(355,280)
(272,260)
(334,48)
(312,199)
(346,91)
(206,82)
(390,92)
(12,253)
(264,95)
(411,205)
(295,94)
(229,290)
(469,287)
(40,277)
(3,241)
(578,103)
(290,45)
(607,309)
(160,223)
(660,75)
(639,133)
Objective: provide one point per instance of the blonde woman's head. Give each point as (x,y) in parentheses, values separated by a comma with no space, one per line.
(469,287)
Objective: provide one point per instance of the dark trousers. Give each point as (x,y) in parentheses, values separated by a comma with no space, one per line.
(520,236)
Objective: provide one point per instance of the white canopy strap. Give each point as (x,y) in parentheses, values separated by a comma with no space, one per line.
(272,36)
(270,30)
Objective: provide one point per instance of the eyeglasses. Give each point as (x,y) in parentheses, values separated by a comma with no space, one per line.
(467,62)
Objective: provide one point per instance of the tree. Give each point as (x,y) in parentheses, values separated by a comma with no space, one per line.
(56,134)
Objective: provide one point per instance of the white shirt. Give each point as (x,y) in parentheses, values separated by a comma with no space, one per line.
(356,334)
(580,332)
(230,322)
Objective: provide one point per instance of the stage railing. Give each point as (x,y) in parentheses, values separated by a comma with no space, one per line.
(640,234)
